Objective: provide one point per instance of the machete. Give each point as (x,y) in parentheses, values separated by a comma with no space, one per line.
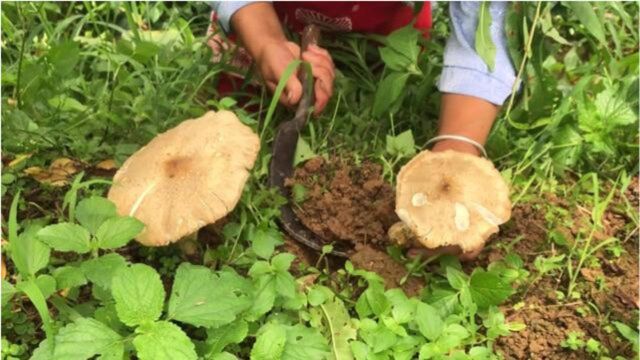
(284,147)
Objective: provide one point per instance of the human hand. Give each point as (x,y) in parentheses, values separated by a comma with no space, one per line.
(274,58)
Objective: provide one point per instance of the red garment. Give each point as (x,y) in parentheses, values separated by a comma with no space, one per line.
(380,17)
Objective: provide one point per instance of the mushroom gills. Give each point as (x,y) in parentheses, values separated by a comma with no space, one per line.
(487,215)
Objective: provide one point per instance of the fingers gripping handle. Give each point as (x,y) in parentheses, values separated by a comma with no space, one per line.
(310,36)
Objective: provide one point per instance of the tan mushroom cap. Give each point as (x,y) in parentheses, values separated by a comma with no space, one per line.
(187,177)
(452,198)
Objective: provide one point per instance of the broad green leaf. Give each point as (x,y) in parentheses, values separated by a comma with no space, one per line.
(403,310)
(66,237)
(376,299)
(44,351)
(303,152)
(69,277)
(394,60)
(118,231)
(64,102)
(93,211)
(484,44)
(318,294)
(162,340)
(64,56)
(47,285)
(200,298)
(219,338)
(138,293)
(85,338)
(388,92)
(429,322)
(264,242)
(33,292)
(488,289)
(28,253)
(264,297)
(100,271)
(340,328)
(457,279)
(613,109)
(401,145)
(8,290)
(587,16)
(404,41)
(224,356)
(270,342)
(304,343)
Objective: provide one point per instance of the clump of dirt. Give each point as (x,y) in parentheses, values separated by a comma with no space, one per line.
(353,203)
(371,259)
(345,202)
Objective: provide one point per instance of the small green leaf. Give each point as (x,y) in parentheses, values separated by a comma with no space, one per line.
(163,340)
(484,44)
(93,211)
(264,241)
(429,321)
(118,231)
(628,333)
(488,289)
(66,237)
(303,152)
(270,342)
(401,145)
(138,293)
(282,262)
(200,298)
(100,271)
(299,193)
(85,338)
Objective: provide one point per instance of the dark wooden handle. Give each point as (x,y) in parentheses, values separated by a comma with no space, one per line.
(310,36)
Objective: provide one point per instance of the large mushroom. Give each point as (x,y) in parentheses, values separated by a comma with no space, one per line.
(187,177)
(450,199)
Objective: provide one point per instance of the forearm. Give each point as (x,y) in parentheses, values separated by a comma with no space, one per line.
(467,116)
(257,25)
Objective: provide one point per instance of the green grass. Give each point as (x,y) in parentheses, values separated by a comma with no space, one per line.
(95,81)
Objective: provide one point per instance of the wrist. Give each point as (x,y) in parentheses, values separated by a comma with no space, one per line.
(455,145)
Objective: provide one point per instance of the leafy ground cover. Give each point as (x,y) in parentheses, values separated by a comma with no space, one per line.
(86,84)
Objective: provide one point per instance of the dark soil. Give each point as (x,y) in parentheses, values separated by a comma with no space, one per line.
(549,320)
(353,203)
(346,202)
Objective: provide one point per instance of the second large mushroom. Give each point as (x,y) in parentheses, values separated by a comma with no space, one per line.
(450,198)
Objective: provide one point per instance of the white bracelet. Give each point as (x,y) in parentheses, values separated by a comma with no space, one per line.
(459,138)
